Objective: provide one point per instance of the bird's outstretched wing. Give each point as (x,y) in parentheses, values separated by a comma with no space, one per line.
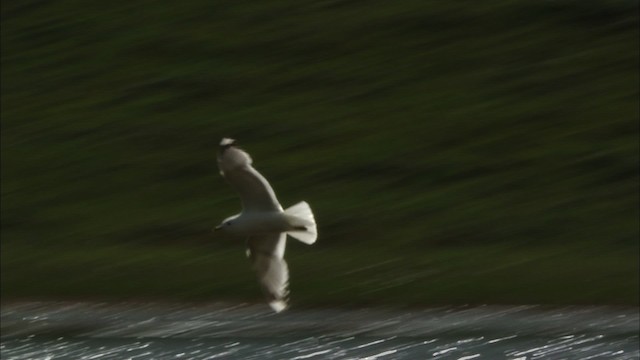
(255,192)
(267,256)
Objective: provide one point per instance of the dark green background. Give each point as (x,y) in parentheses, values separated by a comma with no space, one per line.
(453,152)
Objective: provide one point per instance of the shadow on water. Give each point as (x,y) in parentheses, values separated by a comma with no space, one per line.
(46,330)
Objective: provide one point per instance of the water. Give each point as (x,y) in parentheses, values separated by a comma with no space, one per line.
(65,330)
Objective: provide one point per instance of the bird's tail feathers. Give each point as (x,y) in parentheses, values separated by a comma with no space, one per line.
(301,219)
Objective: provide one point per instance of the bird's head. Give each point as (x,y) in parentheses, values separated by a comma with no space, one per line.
(228,225)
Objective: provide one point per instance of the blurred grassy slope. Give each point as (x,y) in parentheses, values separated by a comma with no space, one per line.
(407,125)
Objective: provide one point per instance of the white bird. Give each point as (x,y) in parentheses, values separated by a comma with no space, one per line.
(263,222)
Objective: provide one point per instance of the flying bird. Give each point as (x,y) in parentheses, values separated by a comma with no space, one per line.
(263,222)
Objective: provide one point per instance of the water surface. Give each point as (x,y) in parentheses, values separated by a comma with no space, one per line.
(66,330)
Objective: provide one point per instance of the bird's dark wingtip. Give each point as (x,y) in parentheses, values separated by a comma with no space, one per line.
(225,144)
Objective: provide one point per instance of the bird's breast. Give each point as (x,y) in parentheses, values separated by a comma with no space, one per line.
(263,222)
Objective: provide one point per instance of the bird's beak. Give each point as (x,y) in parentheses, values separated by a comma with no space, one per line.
(217,228)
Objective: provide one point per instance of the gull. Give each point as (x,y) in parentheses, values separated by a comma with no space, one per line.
(263,222)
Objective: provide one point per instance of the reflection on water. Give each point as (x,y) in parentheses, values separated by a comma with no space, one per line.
(52,330)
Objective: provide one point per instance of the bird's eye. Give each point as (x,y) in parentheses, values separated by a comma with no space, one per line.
(227,223)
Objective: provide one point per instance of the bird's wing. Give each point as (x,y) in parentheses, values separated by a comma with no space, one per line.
(235,166)
(267,256)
